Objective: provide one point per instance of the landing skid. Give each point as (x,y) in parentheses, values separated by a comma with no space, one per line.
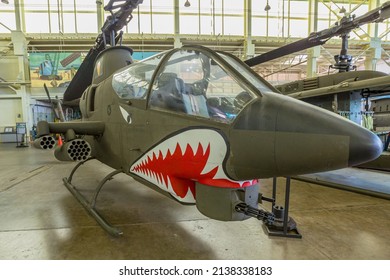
(90,205)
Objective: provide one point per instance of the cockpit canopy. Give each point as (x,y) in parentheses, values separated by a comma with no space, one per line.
(193,81)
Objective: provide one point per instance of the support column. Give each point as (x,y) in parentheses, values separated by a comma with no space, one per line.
(100,14)
(177,43)
(313,53)
(249,47)
(20,51)
(19,15)
(374,52)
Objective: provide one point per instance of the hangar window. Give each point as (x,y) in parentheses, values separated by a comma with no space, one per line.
(7,18)
(192,83)
(149,16)
(134,80)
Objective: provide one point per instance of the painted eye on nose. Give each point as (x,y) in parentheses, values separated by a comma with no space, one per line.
(126,116)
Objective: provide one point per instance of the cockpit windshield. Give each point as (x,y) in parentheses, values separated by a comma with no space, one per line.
(252,78)
(134,80)
(193,83)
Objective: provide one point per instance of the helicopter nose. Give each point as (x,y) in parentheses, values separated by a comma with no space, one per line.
(364,146)
(281,136)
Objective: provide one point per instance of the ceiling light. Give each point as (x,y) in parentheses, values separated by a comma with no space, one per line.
(187,4)
(267,7)
(342,10)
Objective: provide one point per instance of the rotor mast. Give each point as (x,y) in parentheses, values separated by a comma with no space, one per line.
(120,16)
(110,36)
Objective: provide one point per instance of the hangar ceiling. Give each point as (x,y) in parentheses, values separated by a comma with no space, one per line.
(219,24)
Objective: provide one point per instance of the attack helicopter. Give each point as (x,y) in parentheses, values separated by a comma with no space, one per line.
(349,91)
(196,125)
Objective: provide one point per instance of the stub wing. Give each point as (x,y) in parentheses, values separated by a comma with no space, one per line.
(95,128)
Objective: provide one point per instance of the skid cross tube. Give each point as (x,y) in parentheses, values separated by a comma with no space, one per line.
(90,205)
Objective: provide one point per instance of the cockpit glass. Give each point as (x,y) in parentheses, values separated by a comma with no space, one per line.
(133,82)
(256,81)
(192,83)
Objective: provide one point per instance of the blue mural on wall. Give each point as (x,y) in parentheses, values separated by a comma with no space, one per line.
(56,69)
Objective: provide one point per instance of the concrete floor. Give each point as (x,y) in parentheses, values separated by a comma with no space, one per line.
(40,219)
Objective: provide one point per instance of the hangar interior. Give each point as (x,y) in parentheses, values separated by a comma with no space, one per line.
(341,215)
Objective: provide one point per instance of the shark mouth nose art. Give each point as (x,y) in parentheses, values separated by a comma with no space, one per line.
(181,160)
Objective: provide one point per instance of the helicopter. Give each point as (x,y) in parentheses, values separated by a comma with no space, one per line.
(337,91)
(359,95)
(197,125)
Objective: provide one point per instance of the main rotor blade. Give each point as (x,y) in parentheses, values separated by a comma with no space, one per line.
(282,51)
(346,25)
(83,77)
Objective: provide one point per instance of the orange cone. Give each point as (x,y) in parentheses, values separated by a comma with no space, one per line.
(59,144)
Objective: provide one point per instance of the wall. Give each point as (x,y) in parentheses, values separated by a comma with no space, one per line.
(10,112)
(9,69)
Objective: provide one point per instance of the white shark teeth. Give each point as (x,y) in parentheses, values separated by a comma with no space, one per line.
(209,140)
